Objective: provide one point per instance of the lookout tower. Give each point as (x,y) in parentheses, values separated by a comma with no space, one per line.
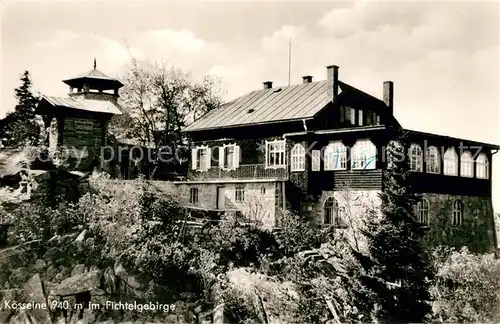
(94,85)
(78,123)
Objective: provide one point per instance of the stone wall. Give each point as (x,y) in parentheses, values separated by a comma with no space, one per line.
(259,198)
(477,231)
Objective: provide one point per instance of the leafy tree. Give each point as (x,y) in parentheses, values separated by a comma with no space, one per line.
(20,127)
(390,280)
(158,101)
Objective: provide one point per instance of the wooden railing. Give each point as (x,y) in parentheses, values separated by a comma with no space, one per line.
(243,172)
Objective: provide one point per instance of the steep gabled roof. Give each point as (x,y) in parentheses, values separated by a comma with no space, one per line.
(102,106)
(300,101)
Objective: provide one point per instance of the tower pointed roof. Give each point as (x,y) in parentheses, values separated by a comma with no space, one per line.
(95,79)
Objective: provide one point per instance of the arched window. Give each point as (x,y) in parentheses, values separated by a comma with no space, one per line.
(423,211)
(457,213)
(482,167)
(450,162)
(416,158)
(298,157)
(363,155)
(332,214)
(335,156)
(466,165)
(433,160)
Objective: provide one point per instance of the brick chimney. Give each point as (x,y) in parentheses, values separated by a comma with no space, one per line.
(268,84)
(389,95)
(332,76)
(307,79)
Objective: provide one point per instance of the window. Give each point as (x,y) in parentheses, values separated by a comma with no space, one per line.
(360,117)
(347,115)
(369,118)
(433,160)
(423,212)
(316,160)
(335,156)
(332,214)
(200,158)
(482,167)
(450,162)
(240,194)
(353,116)
(416,158)
(298,157)
(193,195)
(229,157)
(263,190)
(275,154)
(457,213)
(466,165)
(364,155)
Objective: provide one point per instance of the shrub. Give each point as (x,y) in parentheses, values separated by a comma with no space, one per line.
(296,233)
(466,288)
(241,244)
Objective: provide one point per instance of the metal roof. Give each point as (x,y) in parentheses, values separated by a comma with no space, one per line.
(102,106)
(300,101)
(96,76)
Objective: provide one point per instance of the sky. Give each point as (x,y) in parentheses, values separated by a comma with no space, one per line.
(443,57)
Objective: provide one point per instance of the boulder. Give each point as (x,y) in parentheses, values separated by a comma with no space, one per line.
(40,264)
(73,285)
(109,280)
(8,295)
(50,273)
(78,269)
(81,236)
(18,276)
(33,289)
(130,280)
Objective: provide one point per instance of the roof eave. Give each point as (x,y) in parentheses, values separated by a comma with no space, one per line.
(247,125)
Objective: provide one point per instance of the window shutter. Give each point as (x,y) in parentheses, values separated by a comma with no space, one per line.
(193,158)
(208,158)
(221,157)
(236,156)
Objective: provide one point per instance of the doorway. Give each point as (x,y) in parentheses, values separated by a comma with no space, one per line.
(221,198)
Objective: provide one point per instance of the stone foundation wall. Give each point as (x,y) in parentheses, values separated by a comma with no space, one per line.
(259,202)
(477,231)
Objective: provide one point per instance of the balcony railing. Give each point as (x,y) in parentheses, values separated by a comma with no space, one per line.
(243,172)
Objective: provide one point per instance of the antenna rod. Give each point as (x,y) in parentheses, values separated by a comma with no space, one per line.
(289,59)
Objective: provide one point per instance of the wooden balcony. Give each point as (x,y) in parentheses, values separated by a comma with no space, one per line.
(243,172)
